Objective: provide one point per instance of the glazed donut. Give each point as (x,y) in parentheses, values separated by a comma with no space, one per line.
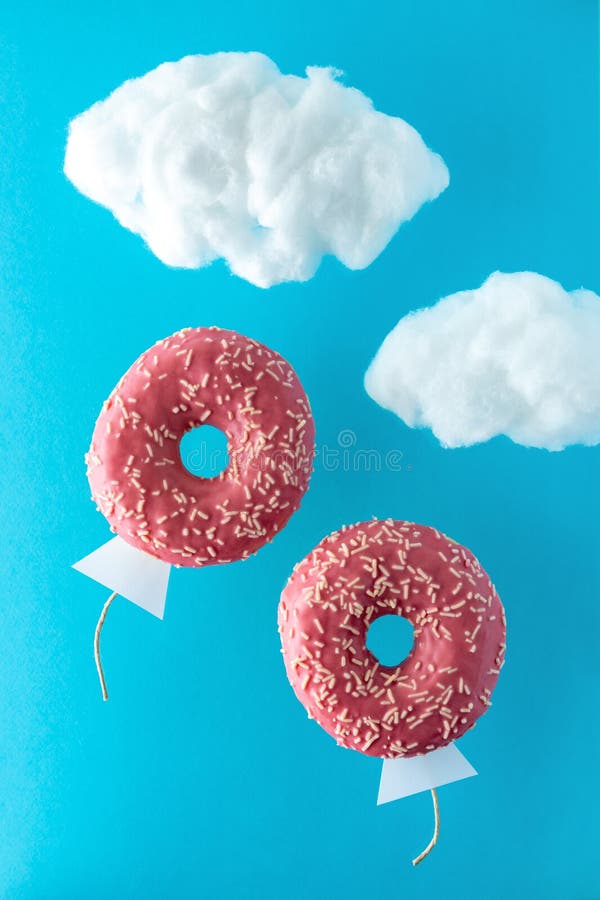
(199,376)
(369,570)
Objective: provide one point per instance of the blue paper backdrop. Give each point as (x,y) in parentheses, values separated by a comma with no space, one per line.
(202,776)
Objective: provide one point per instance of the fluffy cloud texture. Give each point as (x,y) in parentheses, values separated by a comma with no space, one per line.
(520,356)
(223,156)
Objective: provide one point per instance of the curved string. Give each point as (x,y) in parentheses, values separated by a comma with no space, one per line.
(97,644)
(436,830)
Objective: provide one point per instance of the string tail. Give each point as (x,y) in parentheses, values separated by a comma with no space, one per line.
(436,830)
(105,609)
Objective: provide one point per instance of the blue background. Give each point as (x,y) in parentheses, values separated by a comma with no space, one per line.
(202,776)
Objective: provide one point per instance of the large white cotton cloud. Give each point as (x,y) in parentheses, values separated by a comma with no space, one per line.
(520,356)
(223,156)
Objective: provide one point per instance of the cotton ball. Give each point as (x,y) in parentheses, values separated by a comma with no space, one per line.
(223,156)
(518,356)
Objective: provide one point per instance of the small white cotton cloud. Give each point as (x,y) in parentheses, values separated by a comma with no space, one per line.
(520,356)
(223,156)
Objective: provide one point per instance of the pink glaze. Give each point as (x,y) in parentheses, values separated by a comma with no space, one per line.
(202,376)
(369,570)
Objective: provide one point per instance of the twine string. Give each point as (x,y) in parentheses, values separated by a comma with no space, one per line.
(436,830)
(105,609)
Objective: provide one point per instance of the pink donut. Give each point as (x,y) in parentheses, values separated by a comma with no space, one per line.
(369,570)
(202,376)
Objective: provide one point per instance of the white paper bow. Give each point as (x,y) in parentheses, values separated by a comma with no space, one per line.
(133,574)
(403,777)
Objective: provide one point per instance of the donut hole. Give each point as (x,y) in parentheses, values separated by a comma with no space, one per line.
(390,639)
(203,451)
